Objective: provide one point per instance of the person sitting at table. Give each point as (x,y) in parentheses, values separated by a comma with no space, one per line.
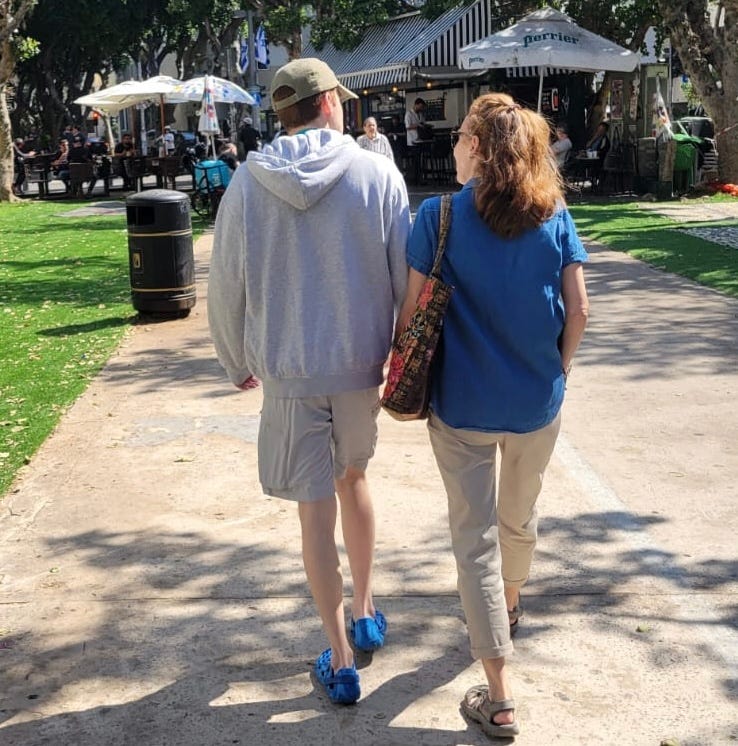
(125,149)
(374,140)
(600,141)
(561,146)
(590,166)
(78,153)
(60,164)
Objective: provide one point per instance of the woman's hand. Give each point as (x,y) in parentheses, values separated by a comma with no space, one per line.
(415,282)
(576,311)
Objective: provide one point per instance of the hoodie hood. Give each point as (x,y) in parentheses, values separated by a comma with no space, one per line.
(302,169)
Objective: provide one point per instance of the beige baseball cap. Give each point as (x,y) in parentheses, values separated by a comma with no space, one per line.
(307,77)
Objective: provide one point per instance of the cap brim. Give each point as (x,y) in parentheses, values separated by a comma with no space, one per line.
(345,94)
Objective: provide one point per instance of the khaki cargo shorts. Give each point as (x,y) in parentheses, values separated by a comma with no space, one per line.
(305,444)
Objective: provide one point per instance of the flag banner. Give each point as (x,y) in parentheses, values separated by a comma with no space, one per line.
(243,55)
(261,48)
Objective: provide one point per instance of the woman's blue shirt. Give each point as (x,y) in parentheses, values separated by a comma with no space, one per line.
(498,367)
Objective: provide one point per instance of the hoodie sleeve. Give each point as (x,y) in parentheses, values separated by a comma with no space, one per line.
(398,214)
(226,286)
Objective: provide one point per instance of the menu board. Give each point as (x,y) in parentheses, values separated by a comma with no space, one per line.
(435,109)
(550,99)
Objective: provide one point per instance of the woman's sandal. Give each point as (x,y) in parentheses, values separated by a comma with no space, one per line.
(478,706)
(513,616)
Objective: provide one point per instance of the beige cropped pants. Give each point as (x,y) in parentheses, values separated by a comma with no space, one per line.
(493,530)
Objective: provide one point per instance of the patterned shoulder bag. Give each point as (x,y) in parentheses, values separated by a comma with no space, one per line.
(407,390)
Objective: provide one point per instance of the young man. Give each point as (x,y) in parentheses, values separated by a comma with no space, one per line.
(307,269)
(414,118)
(125,149)
(374,140)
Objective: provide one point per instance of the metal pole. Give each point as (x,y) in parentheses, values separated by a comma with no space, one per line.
(253,72)
(540,88)
(142,120)
(670,85)
(231,109)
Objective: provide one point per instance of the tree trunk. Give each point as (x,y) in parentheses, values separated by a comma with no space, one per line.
(709,54)
(7,64)
(294,46)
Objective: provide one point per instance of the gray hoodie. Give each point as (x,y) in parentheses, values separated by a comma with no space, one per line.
(308,266)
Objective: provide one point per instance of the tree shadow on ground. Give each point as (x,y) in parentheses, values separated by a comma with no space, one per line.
(230,664)
(194,645)
(673,330)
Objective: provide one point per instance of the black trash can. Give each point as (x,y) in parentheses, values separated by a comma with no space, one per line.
(161,258)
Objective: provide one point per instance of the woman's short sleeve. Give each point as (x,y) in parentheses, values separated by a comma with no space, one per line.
(421,247)
(572,249)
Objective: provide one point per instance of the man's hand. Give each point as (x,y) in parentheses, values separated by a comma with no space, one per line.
(252,382)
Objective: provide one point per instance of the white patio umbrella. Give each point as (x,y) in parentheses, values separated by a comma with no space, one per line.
(223,91)
(111,100)
(547,38)
(208,122)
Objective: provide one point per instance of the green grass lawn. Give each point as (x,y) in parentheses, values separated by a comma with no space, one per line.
(660,241)
(64,307)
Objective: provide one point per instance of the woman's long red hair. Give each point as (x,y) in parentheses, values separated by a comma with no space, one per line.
(519,185)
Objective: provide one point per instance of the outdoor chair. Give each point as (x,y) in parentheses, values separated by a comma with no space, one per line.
(439,164)
(137,168)
(37,173)
(79,173)
(170,167)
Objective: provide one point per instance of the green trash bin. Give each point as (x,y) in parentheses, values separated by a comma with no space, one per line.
(685,161)
(160,253)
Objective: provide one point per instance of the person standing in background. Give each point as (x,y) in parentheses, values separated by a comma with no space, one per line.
(414,118)
(374,140)
(248,136)
(20,156)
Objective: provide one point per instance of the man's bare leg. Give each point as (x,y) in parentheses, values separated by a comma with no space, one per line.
(357,521)
(322,567)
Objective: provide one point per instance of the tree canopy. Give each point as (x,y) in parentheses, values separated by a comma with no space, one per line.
(77,41)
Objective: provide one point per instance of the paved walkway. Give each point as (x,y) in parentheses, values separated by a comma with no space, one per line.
(149,594)
(689,211)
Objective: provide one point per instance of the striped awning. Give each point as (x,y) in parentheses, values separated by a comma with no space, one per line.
(395,51)
(377,78)
(533,72)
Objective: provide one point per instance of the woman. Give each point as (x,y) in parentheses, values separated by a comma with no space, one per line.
(561,146)
(600,141)
(499,375)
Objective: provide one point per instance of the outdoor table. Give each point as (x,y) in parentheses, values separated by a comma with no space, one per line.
(589,168)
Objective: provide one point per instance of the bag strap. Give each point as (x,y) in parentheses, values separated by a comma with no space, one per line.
(445,224)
